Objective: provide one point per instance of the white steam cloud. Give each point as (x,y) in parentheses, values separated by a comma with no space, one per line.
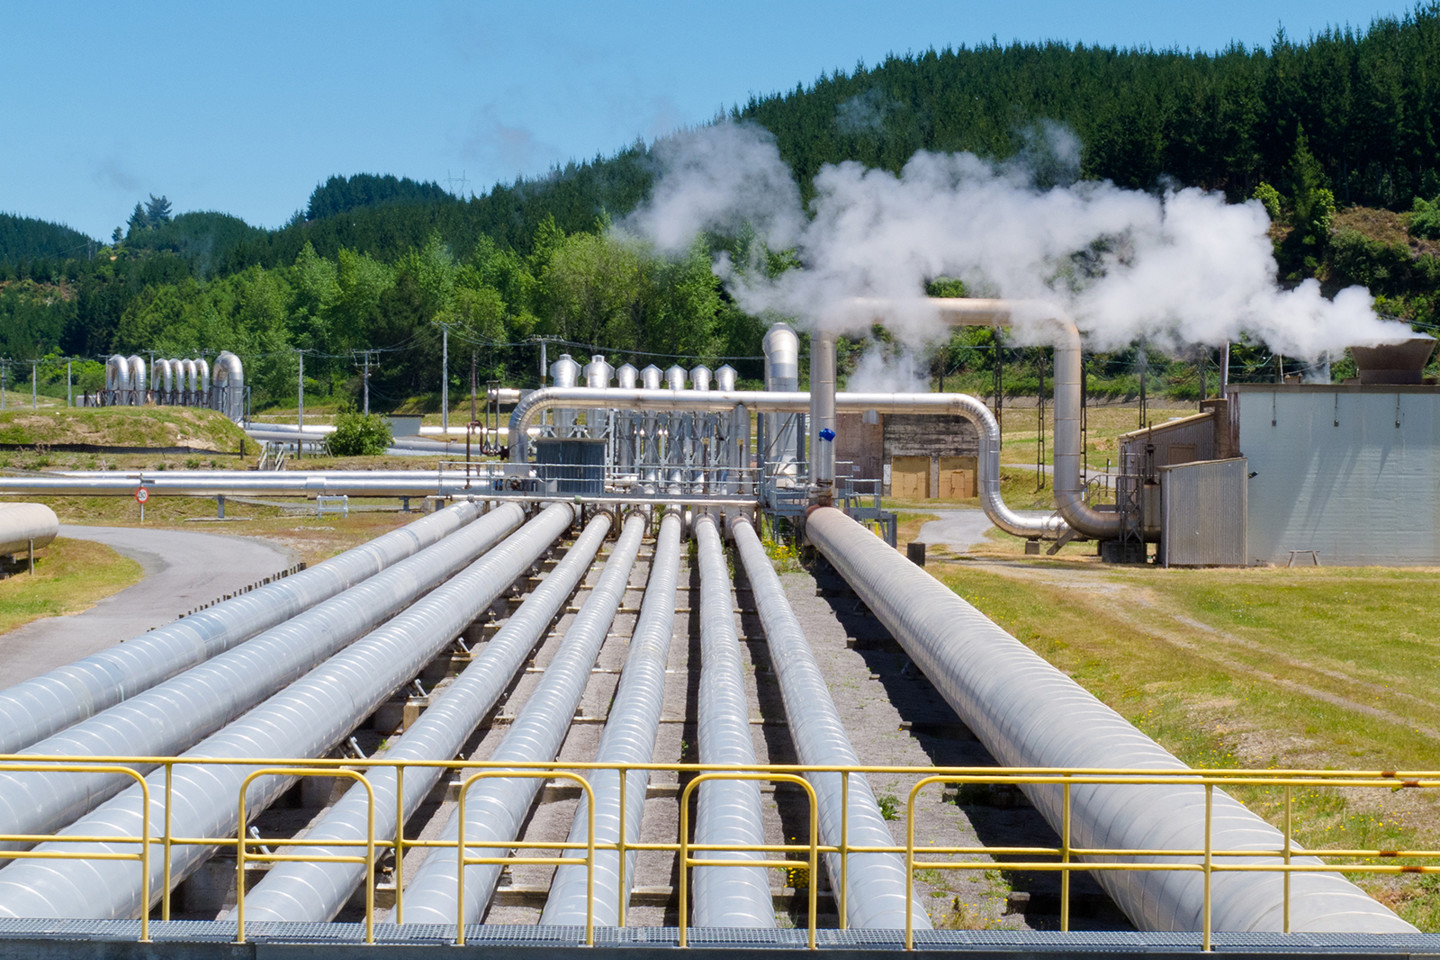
(879,371)
(1181,268)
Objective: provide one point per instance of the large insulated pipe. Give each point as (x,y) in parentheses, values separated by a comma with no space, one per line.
(35,708)
(317,890)
(629,737)
(229,383)
(822,415)
(1035,317)
(202,370)
(954,404)
(164,378)
(728,810)
(783,440)
(137,379)
(172,715)
(495,808)
(24,526)
(1028,714)
(306,719)
(874,883)
(117,373)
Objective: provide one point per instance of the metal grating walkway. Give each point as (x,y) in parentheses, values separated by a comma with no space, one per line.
(191,939)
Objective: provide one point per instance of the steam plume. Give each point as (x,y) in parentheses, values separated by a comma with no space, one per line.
(1181,268)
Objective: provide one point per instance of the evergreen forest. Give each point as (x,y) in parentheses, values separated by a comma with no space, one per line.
(1338,135)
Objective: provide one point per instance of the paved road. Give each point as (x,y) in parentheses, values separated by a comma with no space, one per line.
(959,530)
(182,570)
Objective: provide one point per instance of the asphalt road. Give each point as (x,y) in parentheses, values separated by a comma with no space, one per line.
(182,570)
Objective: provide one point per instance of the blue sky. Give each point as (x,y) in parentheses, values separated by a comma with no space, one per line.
(244,107)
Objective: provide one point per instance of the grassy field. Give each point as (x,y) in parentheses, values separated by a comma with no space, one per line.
(70,576)
(1104,423)
(122,427)
(1329,668)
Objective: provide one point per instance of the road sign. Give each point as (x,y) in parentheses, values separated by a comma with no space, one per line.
(142,495)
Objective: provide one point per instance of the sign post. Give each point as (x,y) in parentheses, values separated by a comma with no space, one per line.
(141,495)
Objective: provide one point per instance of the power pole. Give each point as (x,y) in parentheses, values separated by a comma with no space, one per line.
(300,387)
(445,378)
(69,395)
(34,382)
(367,383)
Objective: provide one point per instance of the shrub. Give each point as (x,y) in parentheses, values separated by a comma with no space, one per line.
(360,435)
(1424,219)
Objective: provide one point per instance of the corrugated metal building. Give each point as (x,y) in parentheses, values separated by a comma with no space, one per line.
(1350,471)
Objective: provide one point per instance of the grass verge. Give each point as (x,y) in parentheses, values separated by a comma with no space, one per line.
(70,576)
(1330,668)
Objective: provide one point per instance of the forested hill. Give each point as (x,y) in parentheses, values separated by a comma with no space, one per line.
(1338,134)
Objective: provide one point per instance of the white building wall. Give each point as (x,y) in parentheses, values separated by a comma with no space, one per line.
(1351,472)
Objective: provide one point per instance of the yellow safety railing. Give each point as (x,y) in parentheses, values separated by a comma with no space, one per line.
(1066,858)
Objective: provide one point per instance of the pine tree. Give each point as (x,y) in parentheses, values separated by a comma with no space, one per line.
(157,211)
(138,221)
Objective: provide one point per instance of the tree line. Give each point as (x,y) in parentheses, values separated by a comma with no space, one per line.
(1344,121)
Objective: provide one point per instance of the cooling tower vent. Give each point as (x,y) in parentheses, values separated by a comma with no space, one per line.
(1392,363)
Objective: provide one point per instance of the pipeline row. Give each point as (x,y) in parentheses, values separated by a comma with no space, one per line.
(292,669)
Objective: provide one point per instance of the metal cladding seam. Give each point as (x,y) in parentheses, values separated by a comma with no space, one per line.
(35,708)
(172,715)
(1029,714)
(728,810)
(306,719)
(629,737)
(496,808)
(316,891)
(876,882)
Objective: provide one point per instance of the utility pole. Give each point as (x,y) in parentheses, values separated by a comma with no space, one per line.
(300,387)
(445,379)
(367,383)
(34,382)
(69,395)
(544,364)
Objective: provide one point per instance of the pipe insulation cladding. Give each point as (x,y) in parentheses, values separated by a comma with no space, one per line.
(874,883)
(495,808)
(1029,714)
(26,525)
(317,890)
(728,811)
(174,714)
(34,709)
(307,719)
(628,737)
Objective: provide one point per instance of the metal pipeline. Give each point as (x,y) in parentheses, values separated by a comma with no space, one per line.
(38,707)
(729,810)
(956,404)
(317,891)
(228,380)
(1028,714)
(495,807)
(1032,316)
(629,737)
(306,719)
(282,484)
(172,715)
(874,883)
(822,415)
(26,525)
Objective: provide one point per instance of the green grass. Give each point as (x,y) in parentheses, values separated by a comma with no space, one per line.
(123,427)
(70,576)
(1318,669)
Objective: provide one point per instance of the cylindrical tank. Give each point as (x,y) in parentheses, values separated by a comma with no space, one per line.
(650,377)
(725,378)
(700,377)
(565,372)
(598,372)
(675,377)
(627,377)
(784,440)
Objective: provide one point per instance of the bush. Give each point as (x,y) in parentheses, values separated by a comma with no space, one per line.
(1425,219)
(360,435)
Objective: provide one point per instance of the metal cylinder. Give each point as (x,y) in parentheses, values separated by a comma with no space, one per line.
(629,737)
(627,377)
(874,883)
(23,526)
(700,377)
(317,890)
(1028,714)
(137,379)
(725,378)
(496,807)
(729,810)
(675,377)
(35,708)
(228,386)
(822,415)
(172,715)
(306,719)
(598,372)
